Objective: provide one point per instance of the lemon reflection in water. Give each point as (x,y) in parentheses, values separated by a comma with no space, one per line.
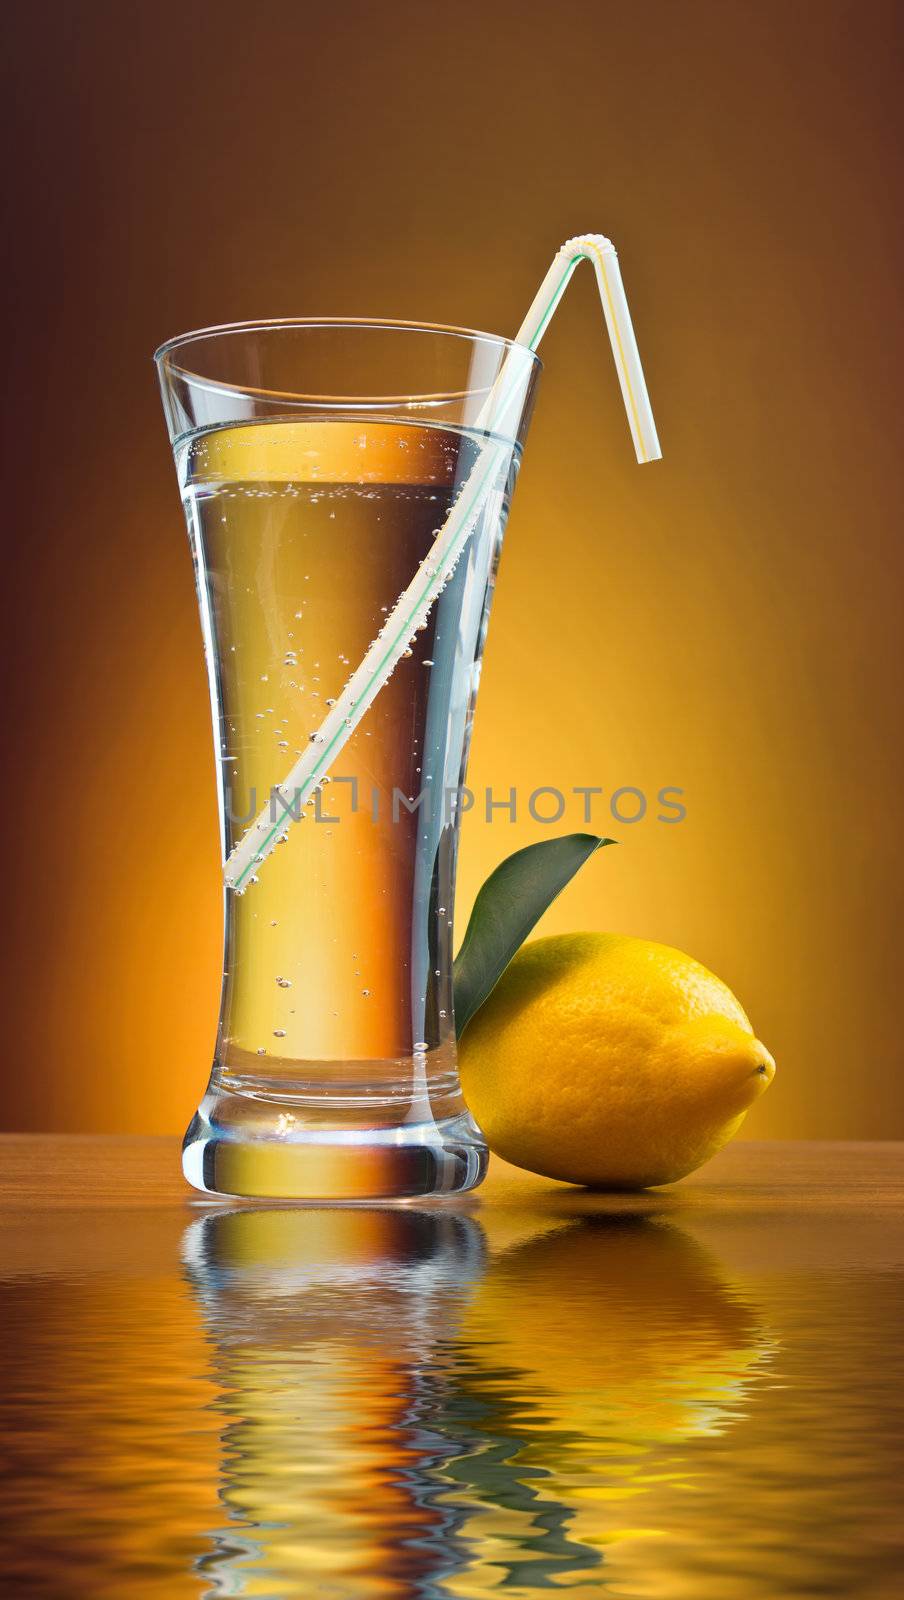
(603,1349)
(411,1408)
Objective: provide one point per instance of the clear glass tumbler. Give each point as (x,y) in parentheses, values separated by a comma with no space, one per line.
(316,462)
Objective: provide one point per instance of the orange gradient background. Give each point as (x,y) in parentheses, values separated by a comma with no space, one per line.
(727,621)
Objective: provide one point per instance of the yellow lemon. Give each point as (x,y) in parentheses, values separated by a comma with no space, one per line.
(610,1061)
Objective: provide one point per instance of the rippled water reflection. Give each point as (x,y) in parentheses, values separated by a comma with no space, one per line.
(369,1404)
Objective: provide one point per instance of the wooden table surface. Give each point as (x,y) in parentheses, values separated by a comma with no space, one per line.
(77,1171)
(701,1382)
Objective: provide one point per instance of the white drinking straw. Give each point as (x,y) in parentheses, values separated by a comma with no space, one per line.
(413,606)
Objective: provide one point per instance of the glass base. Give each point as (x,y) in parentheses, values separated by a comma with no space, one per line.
(255,1149)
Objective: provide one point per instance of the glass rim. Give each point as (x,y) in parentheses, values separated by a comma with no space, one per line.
(162,355)
(399,324)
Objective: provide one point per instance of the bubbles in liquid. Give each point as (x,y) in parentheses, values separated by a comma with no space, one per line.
(366,993)
(284,983)
(280,1033)
(422,517)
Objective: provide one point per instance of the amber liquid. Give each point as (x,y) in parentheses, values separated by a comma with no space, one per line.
(338,958)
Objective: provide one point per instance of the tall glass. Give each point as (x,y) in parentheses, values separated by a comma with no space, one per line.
(316,462)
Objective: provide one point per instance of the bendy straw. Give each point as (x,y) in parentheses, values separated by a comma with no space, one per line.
(601,252)
(288,799)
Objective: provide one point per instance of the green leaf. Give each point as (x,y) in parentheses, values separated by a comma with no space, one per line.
(511,902)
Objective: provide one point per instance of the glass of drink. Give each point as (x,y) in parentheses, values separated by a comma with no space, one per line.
(316,462)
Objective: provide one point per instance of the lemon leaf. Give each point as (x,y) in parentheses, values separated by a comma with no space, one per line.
(511,902)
